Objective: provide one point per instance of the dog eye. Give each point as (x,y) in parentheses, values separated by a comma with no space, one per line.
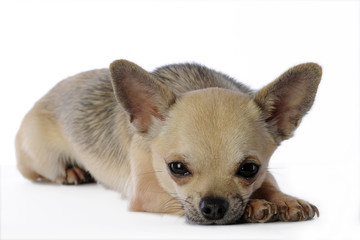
(178,169)
(248,170)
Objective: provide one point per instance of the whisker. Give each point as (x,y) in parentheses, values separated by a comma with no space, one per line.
(173,205)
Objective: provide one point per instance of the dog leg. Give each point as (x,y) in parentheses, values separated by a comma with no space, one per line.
(147,195)
(43,154)
(268,204)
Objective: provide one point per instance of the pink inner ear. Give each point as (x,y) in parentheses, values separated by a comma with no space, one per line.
(141,95)
(286,100)
(286,121)
(288,108)
(144,113)
(142,103)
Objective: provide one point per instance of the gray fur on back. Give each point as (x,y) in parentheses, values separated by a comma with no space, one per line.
(181,78)
(90,115)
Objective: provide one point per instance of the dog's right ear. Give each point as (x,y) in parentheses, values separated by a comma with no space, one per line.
(140,94)
(286,100)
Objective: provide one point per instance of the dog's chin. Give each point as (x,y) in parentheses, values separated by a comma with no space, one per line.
(207,222)
(198,219)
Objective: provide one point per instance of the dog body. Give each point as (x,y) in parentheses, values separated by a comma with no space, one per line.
(183,139)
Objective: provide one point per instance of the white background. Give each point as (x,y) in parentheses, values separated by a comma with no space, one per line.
(42,42)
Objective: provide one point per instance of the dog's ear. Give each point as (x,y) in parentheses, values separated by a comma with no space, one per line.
(287,99)
(140,94)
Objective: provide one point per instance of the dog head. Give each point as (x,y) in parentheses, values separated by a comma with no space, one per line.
(211,147)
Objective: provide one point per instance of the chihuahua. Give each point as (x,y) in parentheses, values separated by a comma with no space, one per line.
(183,139)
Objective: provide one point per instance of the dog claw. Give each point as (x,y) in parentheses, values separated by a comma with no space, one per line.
(315,210)
(75,176)
(248,211)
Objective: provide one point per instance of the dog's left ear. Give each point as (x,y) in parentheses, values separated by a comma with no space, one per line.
(141,95)
(287,99)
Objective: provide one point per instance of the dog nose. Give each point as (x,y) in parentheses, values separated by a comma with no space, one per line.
(213,208)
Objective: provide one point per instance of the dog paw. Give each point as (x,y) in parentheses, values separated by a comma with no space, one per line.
(75,175)
(260,211)
(291,209)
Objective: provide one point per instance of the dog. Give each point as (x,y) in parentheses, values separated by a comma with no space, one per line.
(183,139)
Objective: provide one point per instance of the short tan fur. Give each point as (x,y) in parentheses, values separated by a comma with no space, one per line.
(183,139)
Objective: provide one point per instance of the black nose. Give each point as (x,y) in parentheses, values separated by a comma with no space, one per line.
(213,208)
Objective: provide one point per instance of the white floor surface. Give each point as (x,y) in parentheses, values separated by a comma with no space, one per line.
(46,211)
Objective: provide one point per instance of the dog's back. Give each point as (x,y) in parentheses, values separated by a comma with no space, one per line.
(181,78)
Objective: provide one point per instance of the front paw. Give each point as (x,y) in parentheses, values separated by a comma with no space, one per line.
(291,209)
(281,208)
(260,211)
